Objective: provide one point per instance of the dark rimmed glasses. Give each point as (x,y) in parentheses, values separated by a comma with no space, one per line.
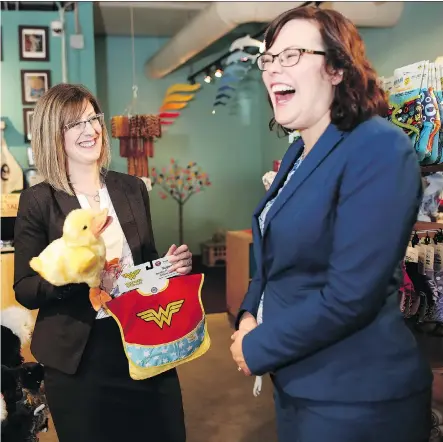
(287,58)
(96,121)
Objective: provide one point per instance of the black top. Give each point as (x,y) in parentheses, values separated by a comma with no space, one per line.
(65,313)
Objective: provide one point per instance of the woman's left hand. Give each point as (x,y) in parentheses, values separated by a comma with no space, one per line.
(180,258)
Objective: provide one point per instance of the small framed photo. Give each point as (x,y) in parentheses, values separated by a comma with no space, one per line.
(34,84)
(27,123)
(33,43)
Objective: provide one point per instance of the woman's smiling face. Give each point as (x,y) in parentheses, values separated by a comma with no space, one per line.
(83,141)
(301,94)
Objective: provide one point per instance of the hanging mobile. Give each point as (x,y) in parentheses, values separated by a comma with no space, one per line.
(136,132)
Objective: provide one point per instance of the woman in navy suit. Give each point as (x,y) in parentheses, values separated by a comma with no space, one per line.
(321,315)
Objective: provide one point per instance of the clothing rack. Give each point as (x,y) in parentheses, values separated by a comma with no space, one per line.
(426,231)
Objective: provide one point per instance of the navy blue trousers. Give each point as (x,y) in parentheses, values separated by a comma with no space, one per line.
(406,420)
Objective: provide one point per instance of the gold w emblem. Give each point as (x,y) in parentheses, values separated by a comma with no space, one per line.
(162,315)
(132,275)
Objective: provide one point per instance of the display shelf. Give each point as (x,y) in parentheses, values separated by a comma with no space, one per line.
(432,169)
(10,205)
(8,295)
(423,225)
(239,268)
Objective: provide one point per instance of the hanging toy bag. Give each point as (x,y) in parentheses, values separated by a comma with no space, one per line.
(163,328)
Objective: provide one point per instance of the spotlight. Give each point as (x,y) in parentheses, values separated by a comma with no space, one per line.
(219,72)
(208,77)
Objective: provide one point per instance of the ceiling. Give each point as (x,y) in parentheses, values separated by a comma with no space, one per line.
(153,19)
(160,19)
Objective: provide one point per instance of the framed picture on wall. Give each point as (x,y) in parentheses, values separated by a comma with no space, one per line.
(27,123)
(33,43)
(34,84)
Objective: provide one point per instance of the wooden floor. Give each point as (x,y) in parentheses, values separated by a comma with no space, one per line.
(218,400)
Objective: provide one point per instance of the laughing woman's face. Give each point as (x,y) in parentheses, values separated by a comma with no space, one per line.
(301,94)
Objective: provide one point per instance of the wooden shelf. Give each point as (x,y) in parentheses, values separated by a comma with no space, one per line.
(9,205)
(423,225)
(432,169)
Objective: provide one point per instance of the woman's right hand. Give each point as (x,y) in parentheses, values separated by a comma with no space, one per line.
(247,322)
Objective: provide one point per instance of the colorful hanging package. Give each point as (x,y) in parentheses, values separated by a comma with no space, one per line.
(404,99)
(416,105)
(163,328)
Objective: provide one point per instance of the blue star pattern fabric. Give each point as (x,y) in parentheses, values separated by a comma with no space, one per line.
(165,354)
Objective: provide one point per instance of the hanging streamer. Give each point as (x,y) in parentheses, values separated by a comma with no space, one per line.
(176,97)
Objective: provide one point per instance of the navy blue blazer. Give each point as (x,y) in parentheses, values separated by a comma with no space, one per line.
(329,266)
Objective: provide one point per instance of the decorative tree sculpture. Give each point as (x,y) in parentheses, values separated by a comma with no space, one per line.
(180,183)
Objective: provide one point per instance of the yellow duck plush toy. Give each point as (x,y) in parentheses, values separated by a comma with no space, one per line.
(79,256)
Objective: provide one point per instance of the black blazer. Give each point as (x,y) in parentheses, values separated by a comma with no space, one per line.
(65,314)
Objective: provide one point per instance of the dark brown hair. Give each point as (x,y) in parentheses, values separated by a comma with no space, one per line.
(358,97)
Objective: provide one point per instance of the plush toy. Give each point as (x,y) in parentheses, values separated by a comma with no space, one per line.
(79,256)
(3,410)
(17,427)
(268,178)
(17,324)
(24,412)
(31,376)
(10,388)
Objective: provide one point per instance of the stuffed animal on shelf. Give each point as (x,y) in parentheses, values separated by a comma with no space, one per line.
(31,375)
(17,324)
(23,407)
(79,256)
(268,179)
(24,411)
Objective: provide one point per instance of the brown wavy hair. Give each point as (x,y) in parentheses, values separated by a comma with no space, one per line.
(60,105)
(358,97)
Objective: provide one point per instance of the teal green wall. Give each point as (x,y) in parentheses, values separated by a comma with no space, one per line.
(81,66)
(235,150)
(417,36)
(227,147)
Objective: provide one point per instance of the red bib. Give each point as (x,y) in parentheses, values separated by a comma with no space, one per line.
(163,330)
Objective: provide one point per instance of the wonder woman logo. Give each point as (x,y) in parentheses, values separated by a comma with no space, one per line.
(131,275)
(162,315)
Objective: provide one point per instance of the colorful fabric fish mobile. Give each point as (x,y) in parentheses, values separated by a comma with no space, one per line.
(136,134)
(177,97)
(416,105)
(238,64)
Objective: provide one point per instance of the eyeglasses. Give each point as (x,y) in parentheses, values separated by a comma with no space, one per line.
(96,121)
(287,58)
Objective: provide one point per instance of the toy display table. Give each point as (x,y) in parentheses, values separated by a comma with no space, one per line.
(240,267)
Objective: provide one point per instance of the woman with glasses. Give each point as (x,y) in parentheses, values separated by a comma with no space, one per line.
(321,315)
(90,394)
